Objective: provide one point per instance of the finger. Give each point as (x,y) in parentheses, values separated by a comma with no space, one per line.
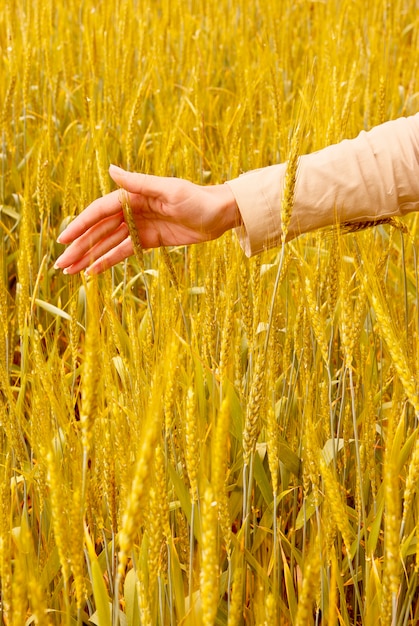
(144,184)
(99,209)
(80,263)
(114,256)
(79,247)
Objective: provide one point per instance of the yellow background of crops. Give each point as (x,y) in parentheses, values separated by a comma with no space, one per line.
(206,439)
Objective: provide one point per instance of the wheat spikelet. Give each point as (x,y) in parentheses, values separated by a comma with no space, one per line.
(226,337)
(43,192)
(348,432)
(349,95)
(337,507)
(369,441)
(155,537)
(170,267)
(358,323)
(76,542)
(109,476)
(144,600)
(354,227)
(172,135)
(274,91)
(235,613)
(219,448)
(133,232)
(224,519)
(74,333)
(272,440)
(209,560)
(40,433)
(40,366)
(133,361)
(94,482)
(109,85)
(169,305)
(149,347)
(170,389)
(333,596)
(133,119)
(397,352)
(276,355)
(359,480)
(157,526)
(27,60)
(121,434)
(323,411)
(161,484)
(91,369)
(381,109)
(317,319)
(113,325)
(218,279)
(254,409)
(68,201)
(239,366)
(309,586)
(411,482)
(289,183)
(219,470)
(193,262)
(19,584)
(270,611)
(389,333)
(311,448)
(11,416)
(59,512)
(192,443)
(4,322)
(390,579)
(329,531)
(37,602)
(331,133)
(299,326)
(255,282)
(6,558)
(245,302)
(183,547)
(24,265)
(137,495)
(209,323)
(332,276)
(10,422)
(346,319)
(7,114)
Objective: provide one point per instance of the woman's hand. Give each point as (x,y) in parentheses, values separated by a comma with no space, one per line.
(166,211)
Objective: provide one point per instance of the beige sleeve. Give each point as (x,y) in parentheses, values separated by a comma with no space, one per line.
(373,176)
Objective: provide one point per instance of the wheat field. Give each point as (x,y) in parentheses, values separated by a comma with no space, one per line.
(195,437)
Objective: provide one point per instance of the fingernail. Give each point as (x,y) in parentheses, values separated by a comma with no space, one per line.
(117,170)
(65,270)
(59,239)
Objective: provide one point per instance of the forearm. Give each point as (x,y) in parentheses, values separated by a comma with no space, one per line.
(373,176)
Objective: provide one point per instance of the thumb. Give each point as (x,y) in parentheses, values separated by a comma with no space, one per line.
(145,184)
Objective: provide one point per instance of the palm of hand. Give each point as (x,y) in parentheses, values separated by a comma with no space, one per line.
(166,211)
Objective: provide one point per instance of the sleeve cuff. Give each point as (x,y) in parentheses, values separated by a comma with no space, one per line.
(258,195)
